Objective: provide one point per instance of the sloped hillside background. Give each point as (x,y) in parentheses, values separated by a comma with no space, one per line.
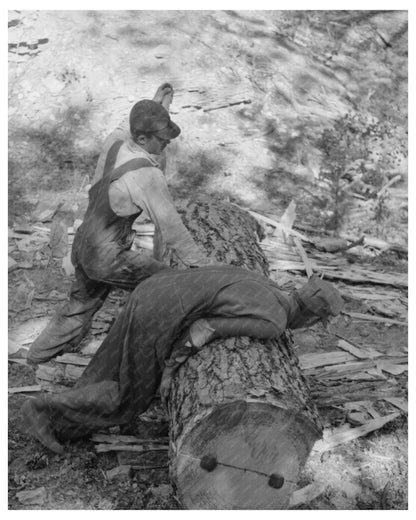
(254,91)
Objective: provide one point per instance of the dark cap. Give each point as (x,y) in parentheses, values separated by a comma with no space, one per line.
(321,298)
(152,118)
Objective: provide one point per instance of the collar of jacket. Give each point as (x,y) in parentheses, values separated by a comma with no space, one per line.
(138,150)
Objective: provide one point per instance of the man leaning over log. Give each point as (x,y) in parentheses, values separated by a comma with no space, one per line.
(167,318)
(128,182)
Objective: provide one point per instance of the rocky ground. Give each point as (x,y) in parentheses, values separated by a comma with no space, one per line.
(254,91)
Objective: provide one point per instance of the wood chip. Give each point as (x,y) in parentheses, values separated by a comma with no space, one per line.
(356,275)
(289,216)
(73,372)
(370,317)
(12,264)
(340,436)
(309,361)
(309,267)
(28,331)
(14,347)
(307,494)
(391,368)
(389,309)
(46,215)
(127,439)
(382,245)
(32,496)
(121,472)
(59,239)
(283,265)
(364,294)
(73,359)
(42,229)
(144,229)
(360,353)
(67,265)
(17,361)
(343,370)
(50,373)
(334,392)
(24,389)
(144,242)
(399,402)
(24,229)
(103,448)
(278,225)
(91,348)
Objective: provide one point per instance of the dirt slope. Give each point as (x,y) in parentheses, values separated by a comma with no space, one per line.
(253,90)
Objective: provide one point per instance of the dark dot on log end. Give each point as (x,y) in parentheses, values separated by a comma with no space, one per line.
(276,481)
(209,462)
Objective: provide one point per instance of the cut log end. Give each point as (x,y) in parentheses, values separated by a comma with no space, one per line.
(243,455)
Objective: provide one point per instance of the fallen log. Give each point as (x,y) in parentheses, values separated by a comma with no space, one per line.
(242,423)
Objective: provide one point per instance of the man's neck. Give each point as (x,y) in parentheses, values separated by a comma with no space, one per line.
(134,147)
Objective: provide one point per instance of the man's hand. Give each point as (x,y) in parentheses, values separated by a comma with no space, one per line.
(164,95)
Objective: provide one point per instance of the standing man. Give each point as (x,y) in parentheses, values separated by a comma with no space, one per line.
(131,182)
(164,96)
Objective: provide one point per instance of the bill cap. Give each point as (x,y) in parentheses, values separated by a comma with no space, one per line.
(321,298)
(148,116)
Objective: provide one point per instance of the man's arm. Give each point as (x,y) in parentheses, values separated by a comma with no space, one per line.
(149,191)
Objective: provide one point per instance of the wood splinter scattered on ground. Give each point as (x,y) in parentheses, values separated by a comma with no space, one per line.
(341,435)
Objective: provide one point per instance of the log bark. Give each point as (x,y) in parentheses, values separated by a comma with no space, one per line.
(242,420)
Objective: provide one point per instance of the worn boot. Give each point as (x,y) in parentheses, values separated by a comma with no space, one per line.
(38,422)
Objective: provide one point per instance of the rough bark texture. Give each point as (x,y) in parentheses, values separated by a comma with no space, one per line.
(240,409)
